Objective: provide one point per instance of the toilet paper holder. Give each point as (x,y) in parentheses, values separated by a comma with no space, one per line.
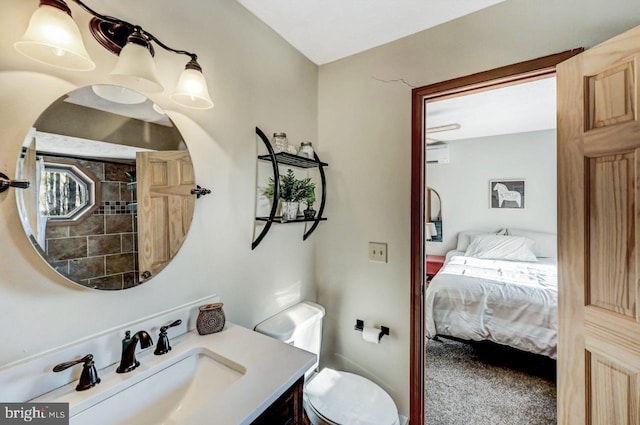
(360,326)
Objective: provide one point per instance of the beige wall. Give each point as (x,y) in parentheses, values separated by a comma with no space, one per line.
(365,135)
(463,184)
(255,78)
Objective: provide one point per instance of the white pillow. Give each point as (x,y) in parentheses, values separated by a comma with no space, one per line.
(498,247)
(546,244)
(464,238)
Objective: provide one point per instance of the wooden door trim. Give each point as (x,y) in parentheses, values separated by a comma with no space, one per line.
(509,74)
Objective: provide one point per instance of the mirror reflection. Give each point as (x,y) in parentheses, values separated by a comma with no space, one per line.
(433,228)
(110,204)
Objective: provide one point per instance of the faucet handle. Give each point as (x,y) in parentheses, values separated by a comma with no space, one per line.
(62,366)
(89,377)
(176,323)
(163,346)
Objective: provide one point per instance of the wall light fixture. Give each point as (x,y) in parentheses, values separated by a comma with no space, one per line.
(53,38)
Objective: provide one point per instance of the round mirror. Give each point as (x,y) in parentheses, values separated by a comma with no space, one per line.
(110,200)
(434,216)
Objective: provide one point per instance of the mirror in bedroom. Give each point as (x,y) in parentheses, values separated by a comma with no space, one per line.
(105,162)
(433,229)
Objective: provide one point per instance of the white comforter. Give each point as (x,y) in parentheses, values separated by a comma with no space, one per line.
(508,302)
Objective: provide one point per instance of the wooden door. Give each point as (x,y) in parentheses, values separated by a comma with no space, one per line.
(599,234)
(165,207)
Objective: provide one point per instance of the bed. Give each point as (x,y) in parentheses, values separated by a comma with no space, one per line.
(491,294)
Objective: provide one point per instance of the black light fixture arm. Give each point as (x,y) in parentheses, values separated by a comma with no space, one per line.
(101,16)
(133,28)
(193,56)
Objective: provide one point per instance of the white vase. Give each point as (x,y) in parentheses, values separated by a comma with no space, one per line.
(289,211)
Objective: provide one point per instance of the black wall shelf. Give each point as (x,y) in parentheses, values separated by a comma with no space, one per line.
(284,158)
(278,219)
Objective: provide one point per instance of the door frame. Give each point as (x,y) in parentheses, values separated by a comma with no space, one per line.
(510,74)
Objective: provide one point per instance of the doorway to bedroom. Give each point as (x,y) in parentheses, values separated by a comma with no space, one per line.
(490,301)
(483,269)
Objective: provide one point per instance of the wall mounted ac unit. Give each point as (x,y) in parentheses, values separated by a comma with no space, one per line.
(438,154)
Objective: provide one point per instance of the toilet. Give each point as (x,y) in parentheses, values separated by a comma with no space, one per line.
(331,397)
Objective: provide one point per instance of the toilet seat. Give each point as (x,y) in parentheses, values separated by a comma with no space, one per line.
(342,398)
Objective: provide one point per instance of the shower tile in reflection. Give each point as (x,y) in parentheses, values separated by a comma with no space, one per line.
(61,267)
(119,223)
(64,249)
(53,232)
(91,225)
(86,268)
(127,242)
(130,280)
(104,244)
(115,172)
(110,191)
(113,283)
(119,263)
(95,167)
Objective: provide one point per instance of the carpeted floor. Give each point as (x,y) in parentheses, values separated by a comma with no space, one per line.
(487,384)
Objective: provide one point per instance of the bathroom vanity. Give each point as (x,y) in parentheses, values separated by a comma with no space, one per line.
(287,410)
(236,376)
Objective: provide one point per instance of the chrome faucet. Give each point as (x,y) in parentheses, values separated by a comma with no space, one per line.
(128,360)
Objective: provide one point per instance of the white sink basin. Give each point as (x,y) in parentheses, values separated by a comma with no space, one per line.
(167,394)
(226,378)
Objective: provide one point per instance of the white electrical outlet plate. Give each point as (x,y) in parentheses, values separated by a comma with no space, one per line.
(378,252)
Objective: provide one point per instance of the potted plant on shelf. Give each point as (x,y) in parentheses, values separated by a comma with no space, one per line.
(309,199)
(291,192)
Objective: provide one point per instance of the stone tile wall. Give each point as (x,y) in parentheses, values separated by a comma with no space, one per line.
(101,250)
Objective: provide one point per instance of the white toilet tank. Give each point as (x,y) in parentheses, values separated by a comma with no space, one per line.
(331,397)
(299,325)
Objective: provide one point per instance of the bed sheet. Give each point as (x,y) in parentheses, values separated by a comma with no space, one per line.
(507,302)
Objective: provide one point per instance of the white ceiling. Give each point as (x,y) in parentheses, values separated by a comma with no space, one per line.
(328,30)
(519,108)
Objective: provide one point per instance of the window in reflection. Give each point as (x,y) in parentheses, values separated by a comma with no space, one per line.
(62,194)
(67,191)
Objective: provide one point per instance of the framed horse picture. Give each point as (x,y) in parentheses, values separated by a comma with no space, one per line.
(506,193)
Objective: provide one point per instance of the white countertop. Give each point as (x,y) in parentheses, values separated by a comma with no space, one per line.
(270,367)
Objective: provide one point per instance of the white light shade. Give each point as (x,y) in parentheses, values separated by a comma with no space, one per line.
(118,94)
(192,90)
(431,230)
(136,69)
(54,38)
